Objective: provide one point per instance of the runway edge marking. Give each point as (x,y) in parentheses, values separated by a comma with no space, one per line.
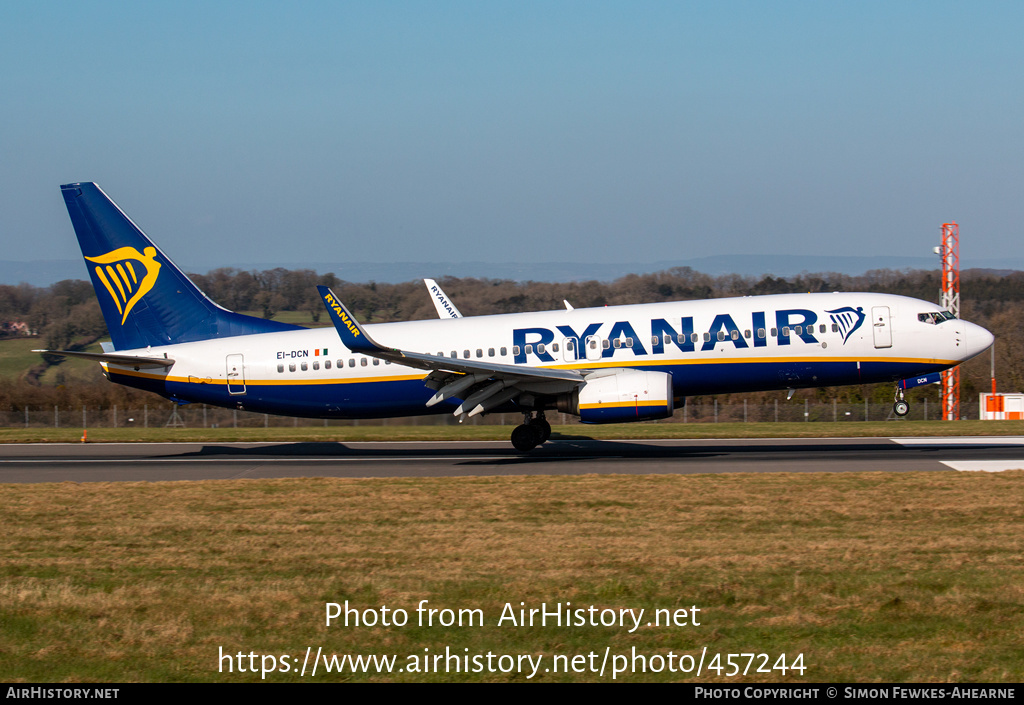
(984,465)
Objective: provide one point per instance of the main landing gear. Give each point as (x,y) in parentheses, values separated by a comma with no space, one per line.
(531,433)
(900,407)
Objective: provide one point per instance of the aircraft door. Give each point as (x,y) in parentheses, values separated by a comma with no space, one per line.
(236,374)
(594,349)
(569,349)
(882,326)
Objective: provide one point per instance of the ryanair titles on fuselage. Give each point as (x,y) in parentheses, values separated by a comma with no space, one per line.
(787,324)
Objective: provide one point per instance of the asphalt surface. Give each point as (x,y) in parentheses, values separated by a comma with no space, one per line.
(122,462)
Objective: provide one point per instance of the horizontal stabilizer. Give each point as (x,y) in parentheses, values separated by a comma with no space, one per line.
(136,361)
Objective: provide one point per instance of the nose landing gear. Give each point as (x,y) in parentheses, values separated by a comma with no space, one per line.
(531,433)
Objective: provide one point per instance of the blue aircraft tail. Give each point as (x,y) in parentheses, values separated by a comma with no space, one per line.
(145,298)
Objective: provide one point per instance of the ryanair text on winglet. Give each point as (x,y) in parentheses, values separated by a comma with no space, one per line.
(336,307)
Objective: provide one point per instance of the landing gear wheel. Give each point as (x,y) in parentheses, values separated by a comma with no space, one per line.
(901,408)
(543,428)
(526,437)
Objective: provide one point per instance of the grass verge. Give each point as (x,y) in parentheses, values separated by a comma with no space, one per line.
(901,577)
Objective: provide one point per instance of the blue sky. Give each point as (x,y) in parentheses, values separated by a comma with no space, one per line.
(492,131)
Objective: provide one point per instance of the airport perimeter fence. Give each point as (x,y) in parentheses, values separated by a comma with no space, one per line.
(200,416)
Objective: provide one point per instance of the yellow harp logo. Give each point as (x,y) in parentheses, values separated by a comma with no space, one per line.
(122,274)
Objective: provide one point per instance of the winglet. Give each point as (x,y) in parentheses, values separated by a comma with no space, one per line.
(352,334)
(445,307)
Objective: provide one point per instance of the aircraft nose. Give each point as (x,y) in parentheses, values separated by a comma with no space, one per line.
(976,340)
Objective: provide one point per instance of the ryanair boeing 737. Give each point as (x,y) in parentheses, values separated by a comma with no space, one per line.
(611,364)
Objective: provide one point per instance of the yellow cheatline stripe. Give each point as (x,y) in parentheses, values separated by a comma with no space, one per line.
(744,360)
(258,382)
(103,278)
(117,282)
(612,404)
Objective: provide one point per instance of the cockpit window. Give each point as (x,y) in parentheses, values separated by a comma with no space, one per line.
(935,317)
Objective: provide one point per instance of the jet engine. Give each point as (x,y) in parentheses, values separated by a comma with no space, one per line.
(617,396)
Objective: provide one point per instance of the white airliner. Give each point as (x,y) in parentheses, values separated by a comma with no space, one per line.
(610,364)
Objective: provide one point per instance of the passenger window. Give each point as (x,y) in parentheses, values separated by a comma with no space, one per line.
(760,332)
(503,352)
(327,364)
(799,330)
(554,347)
(570,345)
(617,343)
(291,367)
(490,352)
(316,365)
(693,337)
(479,352)
(746,333)
(362,362)
(785,331)
(775,332)
(454,354)
(604,344)
(351,362)
(529,349)
(515,350)
(280,368)
(376,362)
(835,327)
(721,335)
(540,348)
(734,334)
(707,337)
(821,328)
(304,367)
(465,354)
(593,343)
(629,342)
(679,338)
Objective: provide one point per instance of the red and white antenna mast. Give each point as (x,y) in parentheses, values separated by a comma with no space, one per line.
(949,299)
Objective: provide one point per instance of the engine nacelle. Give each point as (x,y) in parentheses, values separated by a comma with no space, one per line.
(620,396)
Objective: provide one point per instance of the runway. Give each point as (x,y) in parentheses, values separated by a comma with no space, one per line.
(124,462)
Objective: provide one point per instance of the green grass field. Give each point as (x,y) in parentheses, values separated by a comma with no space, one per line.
(871,577)
(16,358)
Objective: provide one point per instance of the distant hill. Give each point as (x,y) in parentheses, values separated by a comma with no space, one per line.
(46,272)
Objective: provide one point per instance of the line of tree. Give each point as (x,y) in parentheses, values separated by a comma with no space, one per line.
(66,315)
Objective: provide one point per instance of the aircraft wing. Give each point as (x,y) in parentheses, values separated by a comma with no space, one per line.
(136,361)
(484,385)
(355,338)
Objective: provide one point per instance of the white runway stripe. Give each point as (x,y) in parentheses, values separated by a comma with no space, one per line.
(962,441)
(984,465)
